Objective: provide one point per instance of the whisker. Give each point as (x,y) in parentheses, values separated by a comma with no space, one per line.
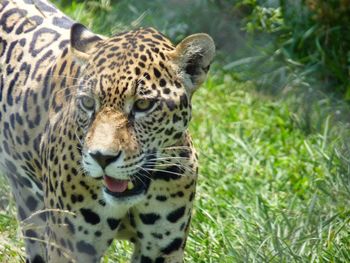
(77,136)
(176,162)
(175,147)
(168,164)
(158,170)
(141,168)
(138,178)
(170,157)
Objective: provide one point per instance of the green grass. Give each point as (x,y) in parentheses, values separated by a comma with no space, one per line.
(268,192)
(11,246)
(274,181)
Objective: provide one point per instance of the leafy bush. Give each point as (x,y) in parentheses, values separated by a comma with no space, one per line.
(311,43)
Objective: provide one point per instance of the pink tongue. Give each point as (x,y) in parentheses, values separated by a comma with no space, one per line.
(115,185)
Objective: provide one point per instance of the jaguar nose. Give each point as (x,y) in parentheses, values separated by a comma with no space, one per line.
(104,160)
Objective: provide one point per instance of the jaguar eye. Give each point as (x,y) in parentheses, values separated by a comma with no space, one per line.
(87,103)
(143,105)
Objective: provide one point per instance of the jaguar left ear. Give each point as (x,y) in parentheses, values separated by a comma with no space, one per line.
(193,56)
(82,41)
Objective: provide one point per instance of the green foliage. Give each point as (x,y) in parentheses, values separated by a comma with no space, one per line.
(171,18)
(311,43)
(320,40)
(266,19)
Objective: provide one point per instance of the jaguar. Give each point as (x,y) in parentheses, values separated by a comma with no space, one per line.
(94,135)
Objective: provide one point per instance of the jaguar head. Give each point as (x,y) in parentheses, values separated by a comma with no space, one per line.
(134,102)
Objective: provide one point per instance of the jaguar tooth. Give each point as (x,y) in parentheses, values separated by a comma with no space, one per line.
(130,185)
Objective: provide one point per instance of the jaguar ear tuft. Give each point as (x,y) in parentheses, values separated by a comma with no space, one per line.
(193,56)
(83,41)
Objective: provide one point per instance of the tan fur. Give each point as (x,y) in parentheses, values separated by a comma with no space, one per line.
(68,161)
(110,132)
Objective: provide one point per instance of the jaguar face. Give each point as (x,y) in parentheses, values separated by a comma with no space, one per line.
(134,103)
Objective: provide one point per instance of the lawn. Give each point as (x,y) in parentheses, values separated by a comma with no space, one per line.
(269,189)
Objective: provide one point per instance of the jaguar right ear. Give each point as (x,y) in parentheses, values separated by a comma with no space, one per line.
(82,41)
(193,56)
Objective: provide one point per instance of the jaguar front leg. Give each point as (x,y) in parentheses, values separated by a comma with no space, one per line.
(80,231)
(162,232)
(30,211)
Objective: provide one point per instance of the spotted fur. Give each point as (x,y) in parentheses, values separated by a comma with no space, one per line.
(81,115)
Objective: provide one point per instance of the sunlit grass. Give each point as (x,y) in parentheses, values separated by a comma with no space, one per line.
(11,246)
(267,192)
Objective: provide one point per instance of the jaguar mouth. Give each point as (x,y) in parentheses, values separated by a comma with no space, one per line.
(136,185)
(125,188)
